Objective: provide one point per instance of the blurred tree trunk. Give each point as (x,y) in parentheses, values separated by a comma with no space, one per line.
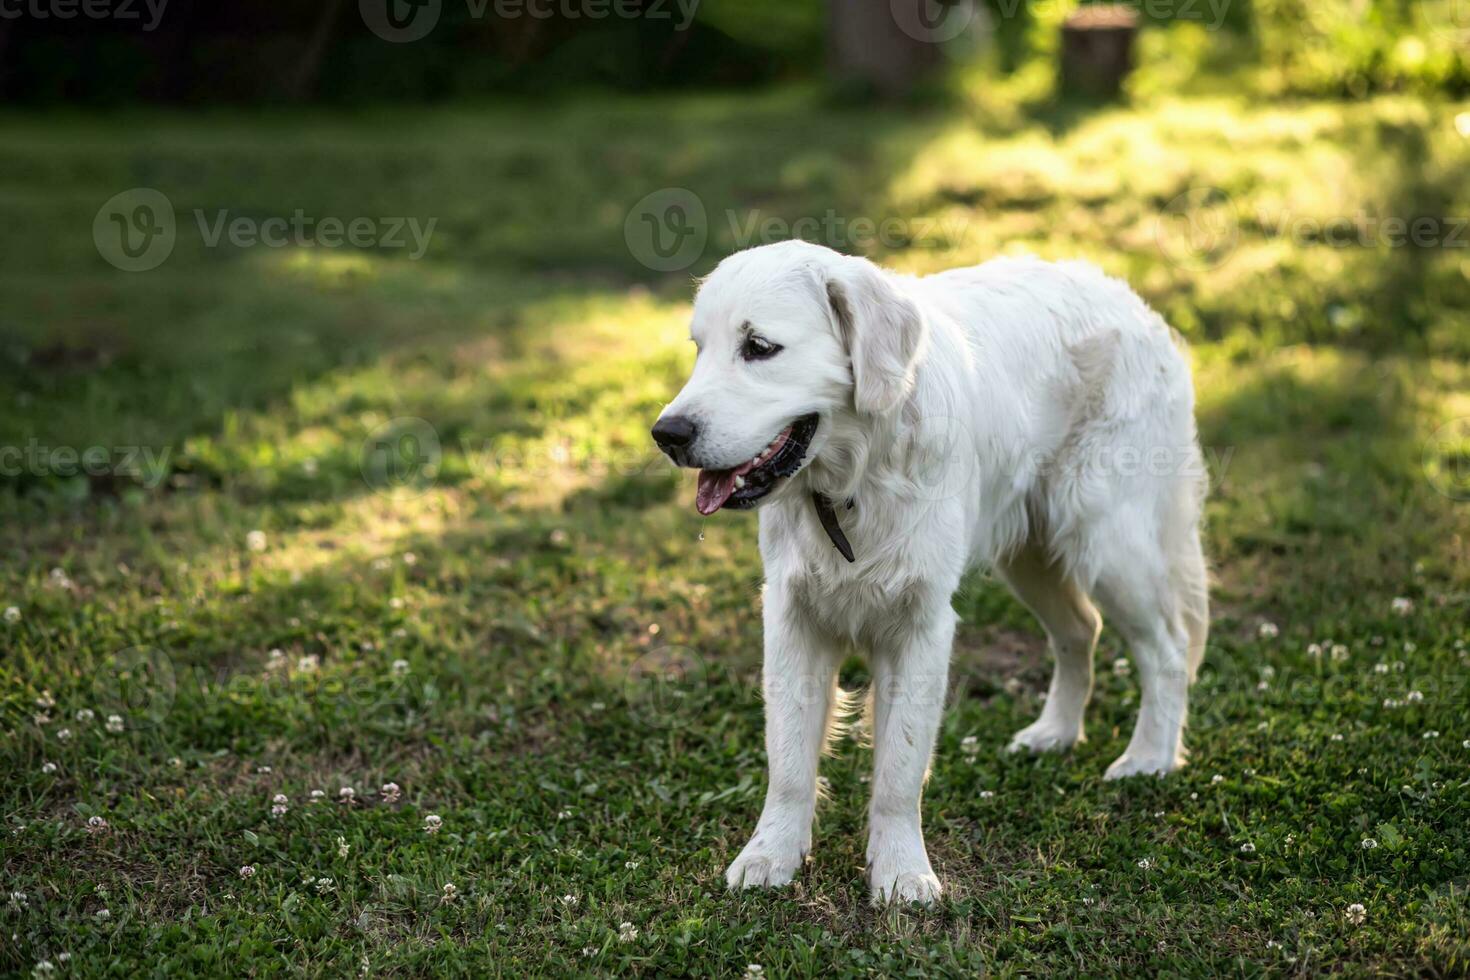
(886,45)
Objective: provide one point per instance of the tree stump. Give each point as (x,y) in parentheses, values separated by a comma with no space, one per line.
(1097,50)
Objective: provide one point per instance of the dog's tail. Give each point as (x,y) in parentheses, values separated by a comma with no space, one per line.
(849,713)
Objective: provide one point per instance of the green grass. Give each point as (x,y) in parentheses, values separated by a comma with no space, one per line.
(578,700)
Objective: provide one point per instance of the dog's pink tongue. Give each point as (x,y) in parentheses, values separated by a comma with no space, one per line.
(715,487)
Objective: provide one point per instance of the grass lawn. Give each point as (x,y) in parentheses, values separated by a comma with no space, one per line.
(544,647)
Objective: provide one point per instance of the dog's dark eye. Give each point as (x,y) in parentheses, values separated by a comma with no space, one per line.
(758,348)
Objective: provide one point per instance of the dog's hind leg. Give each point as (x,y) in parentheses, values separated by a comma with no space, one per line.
(1139,593)
(1072,626)
(799,682)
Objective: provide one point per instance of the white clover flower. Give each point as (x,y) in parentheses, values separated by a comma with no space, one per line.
(1339,652)
(1121,667)
(627,932)
(85,715)
(43,968)
(308,663)
(104,914)
(115,724)
(396,602)
(247,871)
(633,865)
(276,654)
(1268,631)
(564,815)
(366,646)
(1314,650)
(97,825)
(256,541)
(432,823)
(450,891)
(41,718)
(63,735)
(1337,736)
(754,970)
(343,848)
(1247,848)
(1216,779)
(1145,863)
(570,901)
(19,899)
(399,633)
(409,558)
(1380,668)
(381,564)
(347,794)
(1368,844)
(1410,646)
(1431,734)
(391,792)
(45,701)
(1355,914)
(48,768)
(969,745)
(12,614)
(324,885)
(279,810)
(1413,697)
(400,667)
(1402,606)
(986,794)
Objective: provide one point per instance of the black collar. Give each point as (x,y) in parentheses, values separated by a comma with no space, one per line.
(827,514)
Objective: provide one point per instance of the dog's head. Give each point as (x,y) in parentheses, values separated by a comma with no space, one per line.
(793,340)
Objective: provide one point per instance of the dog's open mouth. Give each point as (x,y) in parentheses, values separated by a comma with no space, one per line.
(747,483)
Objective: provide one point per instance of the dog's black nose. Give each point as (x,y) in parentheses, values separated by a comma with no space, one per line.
(674,433)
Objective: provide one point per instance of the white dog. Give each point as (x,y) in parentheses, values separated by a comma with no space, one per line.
(1032,417)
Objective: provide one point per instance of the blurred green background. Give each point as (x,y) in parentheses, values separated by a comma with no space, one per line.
(386,510)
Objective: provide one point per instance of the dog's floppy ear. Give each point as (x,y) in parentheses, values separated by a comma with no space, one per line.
(881,329)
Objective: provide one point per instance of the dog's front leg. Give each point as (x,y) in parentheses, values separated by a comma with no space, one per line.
(909,681)
(798,679)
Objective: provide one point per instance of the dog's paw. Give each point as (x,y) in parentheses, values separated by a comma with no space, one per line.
(1129,764)
(1045,736)
(908,886)
(763,866)
(898,867)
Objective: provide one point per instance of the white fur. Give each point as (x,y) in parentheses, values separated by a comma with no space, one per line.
(1036,418)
